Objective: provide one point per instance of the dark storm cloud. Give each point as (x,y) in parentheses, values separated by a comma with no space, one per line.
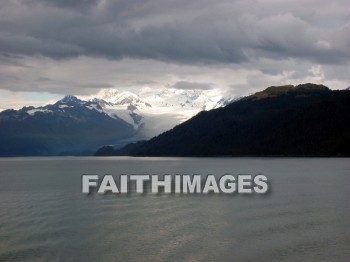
(239,46)
(190,32)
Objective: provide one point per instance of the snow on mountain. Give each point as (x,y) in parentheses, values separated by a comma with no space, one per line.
(114,97)
(33,111)
(69,126)
(74,124)
(155,111)
(77,124)
(165,99)
(183,99)
(67,106)
(124,105)
(150,112)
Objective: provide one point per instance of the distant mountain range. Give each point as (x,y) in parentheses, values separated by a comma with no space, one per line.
(73,126)
(154,112)
(303,120)
(70,126)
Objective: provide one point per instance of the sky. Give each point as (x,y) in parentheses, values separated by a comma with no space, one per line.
(50,48)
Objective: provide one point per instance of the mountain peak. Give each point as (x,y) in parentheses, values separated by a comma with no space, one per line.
(69,99)
(303,89)
(115,97)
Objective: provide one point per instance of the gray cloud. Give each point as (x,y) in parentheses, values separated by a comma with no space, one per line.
(79,47)
(178,31)
(184,85)
(79,4)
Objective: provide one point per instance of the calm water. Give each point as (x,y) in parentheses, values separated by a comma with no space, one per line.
(45,217)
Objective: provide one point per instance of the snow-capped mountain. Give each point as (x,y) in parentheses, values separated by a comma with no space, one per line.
(115,97)
(70,126)
(67,106)
(125,105)
(185,99)
(152,113)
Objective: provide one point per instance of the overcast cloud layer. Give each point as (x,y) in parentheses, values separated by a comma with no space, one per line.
(79,47)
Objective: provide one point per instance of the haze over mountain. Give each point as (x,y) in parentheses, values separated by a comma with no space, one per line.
(74,126)
(303,120)
(156,112)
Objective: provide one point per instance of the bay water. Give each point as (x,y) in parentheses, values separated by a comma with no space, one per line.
(305,216)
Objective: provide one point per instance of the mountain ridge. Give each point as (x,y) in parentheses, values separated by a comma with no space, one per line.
(306,120)
(155,112)
(69,126)
(73,126)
